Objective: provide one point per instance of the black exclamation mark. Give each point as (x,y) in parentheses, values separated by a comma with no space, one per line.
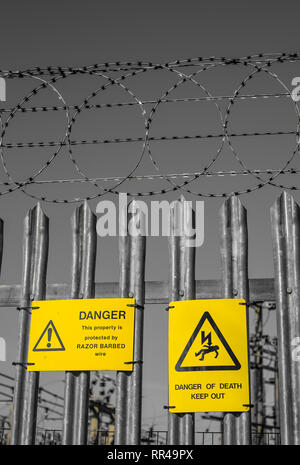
(49,337)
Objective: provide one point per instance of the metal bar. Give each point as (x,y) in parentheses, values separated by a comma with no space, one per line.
(285,217)
(7,395)
(34,288)
(174,419)
(292,225)
(70,377)
(20,373)
(257,377)
(6,376)
(137,290)
(234,258)
(276,409)
(87,290)
(156,292)
(39,271)
(182,287)
(241,288)
(41,389)
(187,292)
(229,423)
(7,386)
(122,376)
(50,402)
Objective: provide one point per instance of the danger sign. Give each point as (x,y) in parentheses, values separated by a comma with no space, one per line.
(208,356)
(81,335)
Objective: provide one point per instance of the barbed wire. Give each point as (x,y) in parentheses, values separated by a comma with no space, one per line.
(260,63)
(147,102)
(136,65)
(20,145)
(153,177)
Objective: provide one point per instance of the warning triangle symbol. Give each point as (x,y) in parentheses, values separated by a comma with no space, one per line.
(49,340)
(207,349)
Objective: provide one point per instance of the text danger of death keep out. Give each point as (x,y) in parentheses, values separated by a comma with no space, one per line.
(81,335)
(208,356)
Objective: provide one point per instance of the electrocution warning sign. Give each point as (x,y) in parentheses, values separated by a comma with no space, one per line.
(81,335)
(208,356)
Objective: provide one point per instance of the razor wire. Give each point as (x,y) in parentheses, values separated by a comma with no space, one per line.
(185,71)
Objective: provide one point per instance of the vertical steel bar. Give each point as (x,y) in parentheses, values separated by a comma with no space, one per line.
(68,415)
(70,377)
(229,423)
(1,243)
(276,408)
(234,258)
(257,377)
(284,355)
(292,224)
(182,279)
(188,286)
(241,286)
(122,376)
(20,370)
(174,419)
(37,288)
(87,290)
(137,290)
(128,384)
(285,218)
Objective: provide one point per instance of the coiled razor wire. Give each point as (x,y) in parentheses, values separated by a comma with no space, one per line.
(257,64)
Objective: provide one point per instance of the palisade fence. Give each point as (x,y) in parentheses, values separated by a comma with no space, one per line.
(180,285)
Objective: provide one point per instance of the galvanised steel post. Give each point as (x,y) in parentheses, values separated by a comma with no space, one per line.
(24,321)
(258,413)
(174,419)
(36,243)
(88,247)
(137,291)
(285,220)
(122,376)
(276,409)
(187,284)
(182,269)
(70,377)
(235,284)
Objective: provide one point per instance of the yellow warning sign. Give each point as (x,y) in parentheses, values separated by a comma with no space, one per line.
(81,335)
(208,356)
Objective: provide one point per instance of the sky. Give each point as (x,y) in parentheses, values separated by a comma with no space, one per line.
(79,34)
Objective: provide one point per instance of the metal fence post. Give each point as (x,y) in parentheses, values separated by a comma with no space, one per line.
(87,246)
(182,269)
(35,258)
(122,376)
(258,413)
(285,220)
(235,284)
(20,370)
(174,419)
(70,377)
(137,291)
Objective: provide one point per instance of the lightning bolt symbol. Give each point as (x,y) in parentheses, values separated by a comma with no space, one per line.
(205,338)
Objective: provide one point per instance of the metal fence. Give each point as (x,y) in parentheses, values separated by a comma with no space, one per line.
(235,283)
(45,437)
